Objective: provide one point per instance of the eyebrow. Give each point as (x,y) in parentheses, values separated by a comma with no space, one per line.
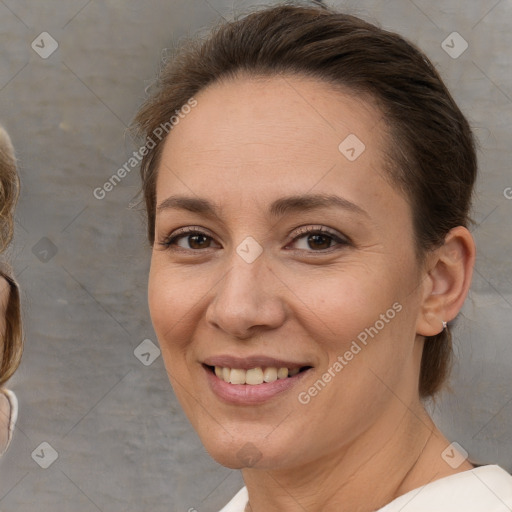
(279,207)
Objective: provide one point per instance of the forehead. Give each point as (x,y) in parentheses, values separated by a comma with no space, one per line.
(285,131)
(253,110)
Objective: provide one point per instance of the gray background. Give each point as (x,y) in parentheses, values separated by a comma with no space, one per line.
(123,443)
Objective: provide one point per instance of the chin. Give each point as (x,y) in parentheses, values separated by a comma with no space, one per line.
(246,450)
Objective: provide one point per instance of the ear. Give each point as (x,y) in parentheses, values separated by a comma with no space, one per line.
(447,281)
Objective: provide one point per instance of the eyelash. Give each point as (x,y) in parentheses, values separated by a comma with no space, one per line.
(169,242)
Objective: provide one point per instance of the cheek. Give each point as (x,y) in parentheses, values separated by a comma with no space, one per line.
(175,300)
(362,316)
(342,303)
(171,305)
(167,303)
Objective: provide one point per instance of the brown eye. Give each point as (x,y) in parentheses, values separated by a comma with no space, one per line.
(195,240)
(319,241)
(314,239)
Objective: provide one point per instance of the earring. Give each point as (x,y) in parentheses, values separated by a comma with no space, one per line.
(444,325)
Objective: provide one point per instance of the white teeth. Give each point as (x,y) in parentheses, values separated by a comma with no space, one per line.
(282,373)
(254,376)
(270,374)
(237,376)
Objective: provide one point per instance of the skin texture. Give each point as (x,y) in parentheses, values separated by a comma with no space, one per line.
(246,143)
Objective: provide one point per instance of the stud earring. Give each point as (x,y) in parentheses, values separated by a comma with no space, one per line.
(444,325)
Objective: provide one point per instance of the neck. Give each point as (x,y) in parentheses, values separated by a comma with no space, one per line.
(399,454)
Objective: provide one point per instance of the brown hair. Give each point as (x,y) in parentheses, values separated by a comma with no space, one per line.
(9,189)
(432,156)
(12,346)
(12,342)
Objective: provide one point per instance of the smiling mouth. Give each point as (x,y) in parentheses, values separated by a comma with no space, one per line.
(255,376)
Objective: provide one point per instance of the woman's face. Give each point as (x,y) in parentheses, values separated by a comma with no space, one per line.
(253,290)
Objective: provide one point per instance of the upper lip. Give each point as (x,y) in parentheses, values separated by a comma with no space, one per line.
(246,363)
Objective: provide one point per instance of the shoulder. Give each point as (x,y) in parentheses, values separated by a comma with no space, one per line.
(486,488)
(238,503)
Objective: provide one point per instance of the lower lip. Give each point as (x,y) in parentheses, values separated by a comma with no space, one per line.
(247,394)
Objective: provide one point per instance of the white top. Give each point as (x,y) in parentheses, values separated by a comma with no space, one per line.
(482,489)
(11,422)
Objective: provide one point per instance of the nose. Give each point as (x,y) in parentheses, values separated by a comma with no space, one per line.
(248,299)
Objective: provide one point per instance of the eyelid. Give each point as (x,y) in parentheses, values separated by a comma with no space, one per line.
(190,229)
(319,228)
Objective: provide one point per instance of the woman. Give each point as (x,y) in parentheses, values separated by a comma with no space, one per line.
(307,211)
(10,316)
